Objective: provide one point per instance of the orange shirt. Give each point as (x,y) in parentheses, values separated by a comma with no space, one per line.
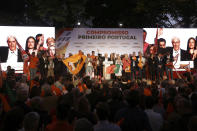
(93,57)
(81,87)
(6,106)
(147,92)
(33,62)
(56,91)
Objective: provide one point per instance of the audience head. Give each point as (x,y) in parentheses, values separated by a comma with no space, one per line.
(13,119)
(31,121)
(133,98)
(102,111)
(83,124)
(83,105)
(47,89)
(36,103)
(149,102)
(22,92)
(183,106)
(192,125)
(64,105)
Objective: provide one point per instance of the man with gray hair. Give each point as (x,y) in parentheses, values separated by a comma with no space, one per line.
(177,53)
(10,53)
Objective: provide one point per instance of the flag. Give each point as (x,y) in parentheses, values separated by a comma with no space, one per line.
(110,69)
(77,61)
(116,70)
(25,67)
(156,37)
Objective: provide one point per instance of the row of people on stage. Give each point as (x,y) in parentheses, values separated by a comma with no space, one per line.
(115,66)
(130,66)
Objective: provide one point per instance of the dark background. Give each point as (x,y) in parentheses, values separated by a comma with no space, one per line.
(99,13)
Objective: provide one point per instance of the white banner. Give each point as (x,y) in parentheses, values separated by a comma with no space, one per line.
(100,40)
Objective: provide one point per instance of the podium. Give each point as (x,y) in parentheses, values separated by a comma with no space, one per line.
(106,64)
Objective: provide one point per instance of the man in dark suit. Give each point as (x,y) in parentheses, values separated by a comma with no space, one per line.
(43,65)
(177,53)
(10,53)
(168,60)
(160,66)
(133,65)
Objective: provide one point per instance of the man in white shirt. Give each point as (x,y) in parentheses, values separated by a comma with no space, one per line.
(10,53)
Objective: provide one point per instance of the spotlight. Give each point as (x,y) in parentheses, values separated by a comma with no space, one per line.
(78,23)
(120,24)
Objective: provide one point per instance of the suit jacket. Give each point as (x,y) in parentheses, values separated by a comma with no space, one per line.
(43,63)
(151,63)
(4,51)
(132,62)
(160,62)
(184,54)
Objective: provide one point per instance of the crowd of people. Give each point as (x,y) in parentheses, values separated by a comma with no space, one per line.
(97,93)
(55,99)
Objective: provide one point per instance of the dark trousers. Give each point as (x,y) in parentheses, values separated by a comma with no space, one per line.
(43,72)
(159,73)
(169,70)
(152,73)
(133,73)
(126,75)
(142,73)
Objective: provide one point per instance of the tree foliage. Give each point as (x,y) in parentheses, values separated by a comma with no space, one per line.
(100,13)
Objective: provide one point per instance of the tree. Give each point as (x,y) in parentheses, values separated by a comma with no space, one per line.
(100,13)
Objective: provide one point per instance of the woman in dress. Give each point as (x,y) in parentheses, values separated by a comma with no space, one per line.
(118,69)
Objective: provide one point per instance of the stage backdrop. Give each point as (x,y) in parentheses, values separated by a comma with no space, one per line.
(168,33)
(100,40)
(22,33)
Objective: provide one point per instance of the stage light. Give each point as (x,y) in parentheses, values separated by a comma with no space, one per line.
(78,23)
(120,24)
